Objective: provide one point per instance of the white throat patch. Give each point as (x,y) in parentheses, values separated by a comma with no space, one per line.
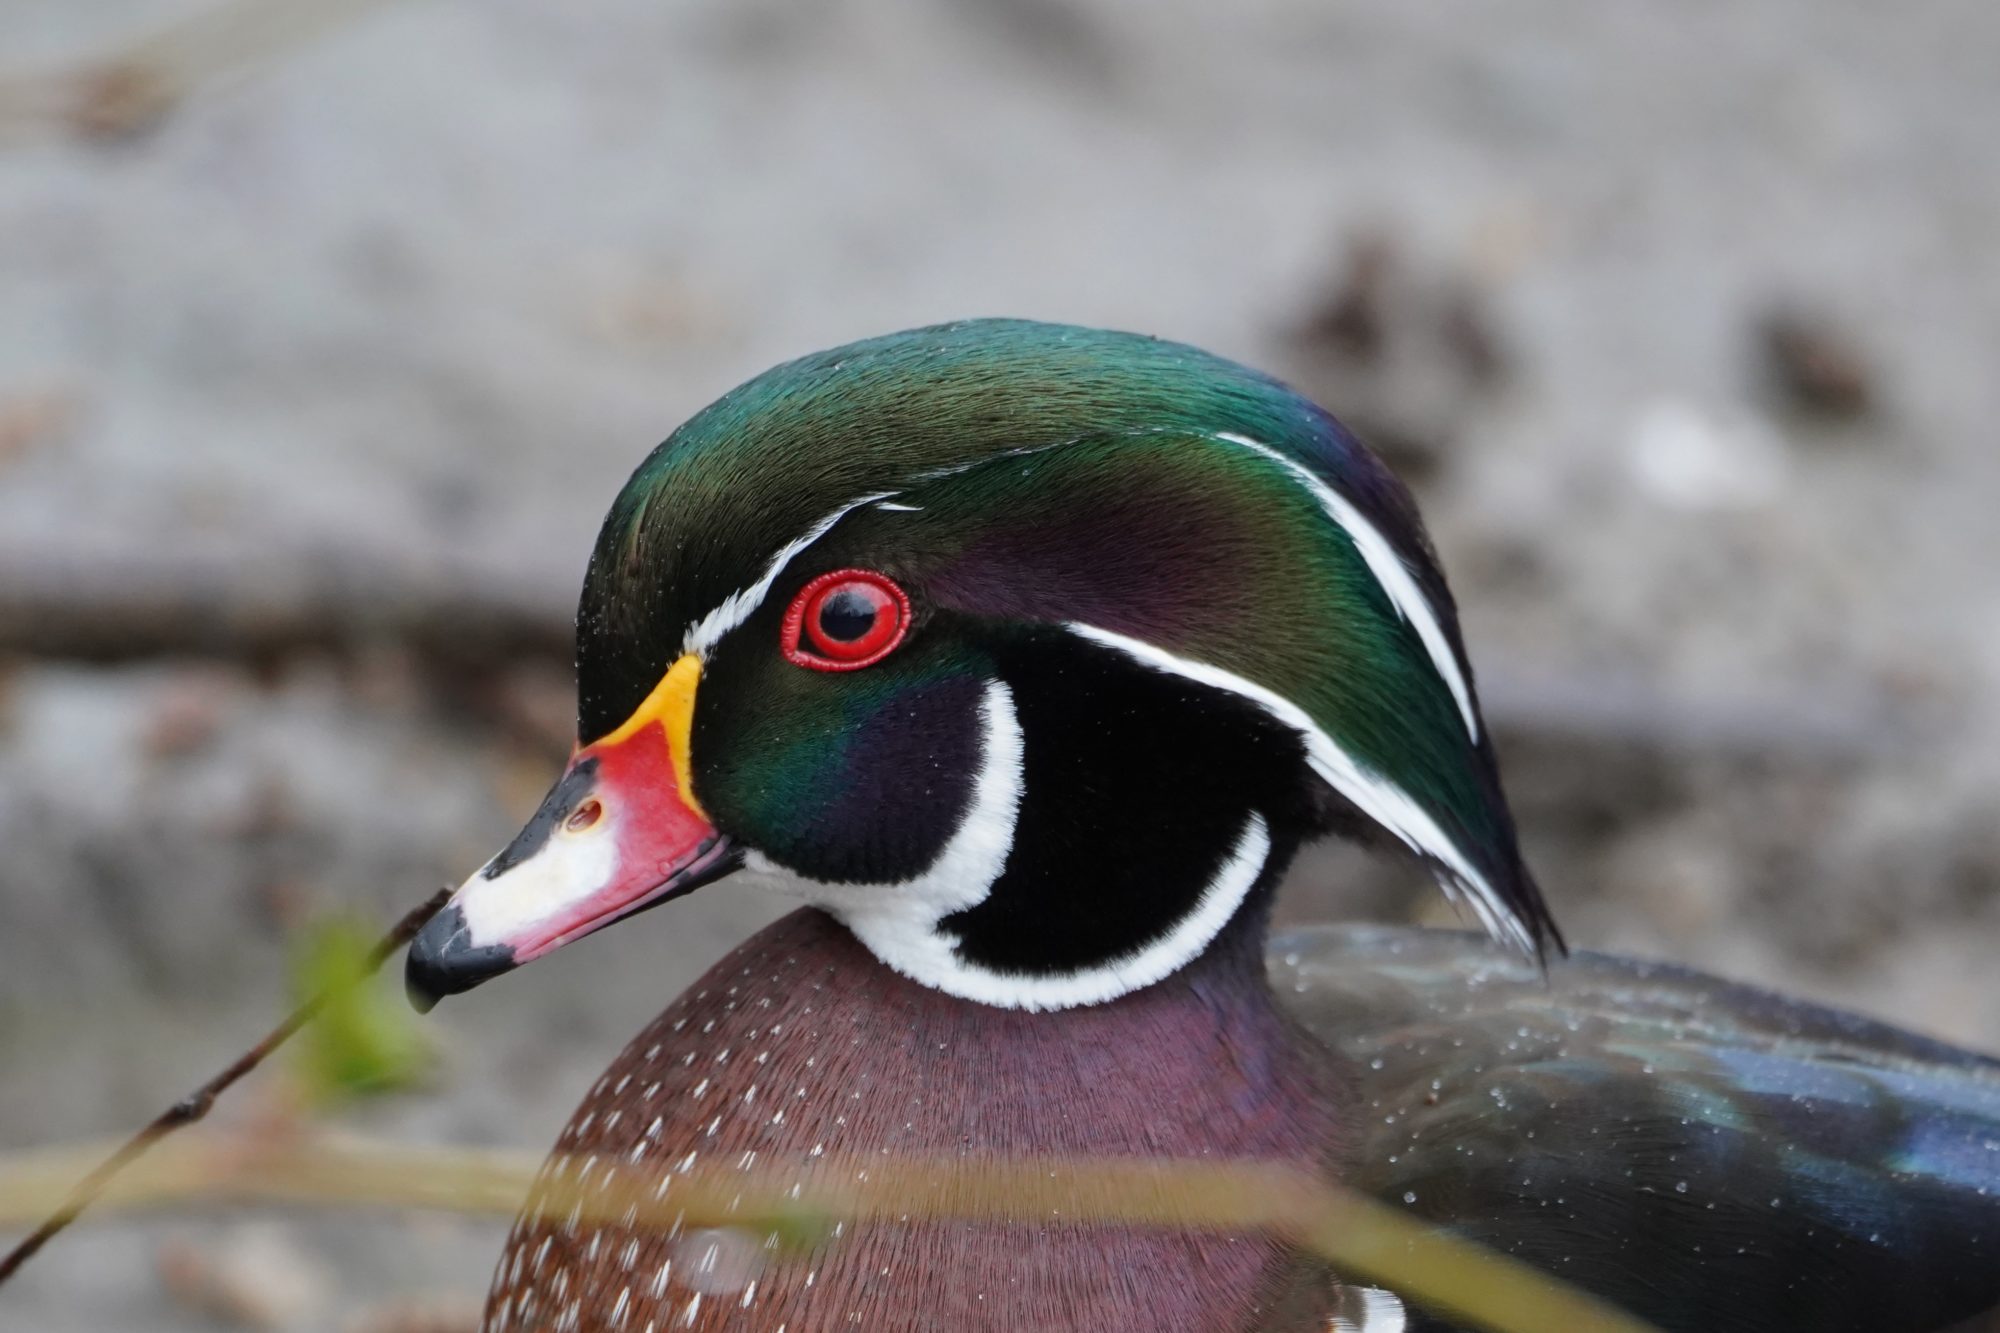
(899,922)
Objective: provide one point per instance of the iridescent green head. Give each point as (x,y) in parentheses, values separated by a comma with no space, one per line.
(1033,652)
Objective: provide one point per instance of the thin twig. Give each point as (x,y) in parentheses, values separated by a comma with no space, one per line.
(197,1104)
(1361,1239)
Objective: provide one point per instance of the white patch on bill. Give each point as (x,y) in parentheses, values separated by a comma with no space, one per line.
(563,872)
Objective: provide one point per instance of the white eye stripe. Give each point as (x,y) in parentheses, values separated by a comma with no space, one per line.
(1380,555)
(1373,794)
(739,606)
(1383,561)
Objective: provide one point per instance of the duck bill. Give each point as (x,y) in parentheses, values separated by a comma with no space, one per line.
(618,833)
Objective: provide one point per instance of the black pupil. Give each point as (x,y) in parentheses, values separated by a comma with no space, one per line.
(847,615)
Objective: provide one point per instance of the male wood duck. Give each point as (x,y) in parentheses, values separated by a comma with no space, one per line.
(1026,656)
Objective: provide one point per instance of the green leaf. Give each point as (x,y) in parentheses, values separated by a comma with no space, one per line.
(365,1041)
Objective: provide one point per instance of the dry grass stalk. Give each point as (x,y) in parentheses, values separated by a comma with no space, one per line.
(58,1209)
(1360,1238)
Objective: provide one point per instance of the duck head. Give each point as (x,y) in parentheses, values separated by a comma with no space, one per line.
(1030,652)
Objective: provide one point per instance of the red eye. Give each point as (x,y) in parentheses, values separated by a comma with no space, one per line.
(845,620)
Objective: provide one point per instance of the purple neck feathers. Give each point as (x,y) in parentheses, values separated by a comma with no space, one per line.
(800,1047)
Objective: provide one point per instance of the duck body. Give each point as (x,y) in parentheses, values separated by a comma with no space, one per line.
(1708,1156)
(1027,656)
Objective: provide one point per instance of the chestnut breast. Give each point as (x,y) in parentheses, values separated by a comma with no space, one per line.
(800,1048)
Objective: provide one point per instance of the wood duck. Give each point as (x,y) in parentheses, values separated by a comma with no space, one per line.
(1026,656)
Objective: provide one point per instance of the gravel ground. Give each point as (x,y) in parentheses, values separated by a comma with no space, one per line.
(1683,317)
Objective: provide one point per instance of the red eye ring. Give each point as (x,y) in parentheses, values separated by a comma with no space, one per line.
(871,612)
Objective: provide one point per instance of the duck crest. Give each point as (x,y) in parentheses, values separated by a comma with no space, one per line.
(1194,516)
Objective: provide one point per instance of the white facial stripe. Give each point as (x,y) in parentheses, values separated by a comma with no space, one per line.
(899,922)
(1123,975)
(564,872)
(921,951)
(1387,567)
(739,606)
(1371,793)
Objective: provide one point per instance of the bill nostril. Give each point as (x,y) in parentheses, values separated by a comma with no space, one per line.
(585,816)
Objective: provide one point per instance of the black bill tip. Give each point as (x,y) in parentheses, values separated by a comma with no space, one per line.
(443,960)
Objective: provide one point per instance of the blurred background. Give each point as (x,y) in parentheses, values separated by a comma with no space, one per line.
(331,328)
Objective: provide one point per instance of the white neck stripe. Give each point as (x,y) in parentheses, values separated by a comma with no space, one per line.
(931,956)
(899,922)
(1388,568)
(1373,794)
